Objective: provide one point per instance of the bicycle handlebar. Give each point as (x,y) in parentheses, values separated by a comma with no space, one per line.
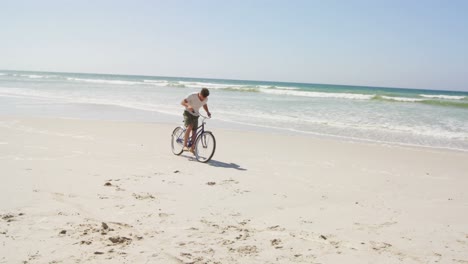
(204,117)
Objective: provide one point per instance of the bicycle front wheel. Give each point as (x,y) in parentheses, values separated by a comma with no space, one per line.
(205,147)
(177,140)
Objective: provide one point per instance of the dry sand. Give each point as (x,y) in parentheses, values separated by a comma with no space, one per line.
(75,191)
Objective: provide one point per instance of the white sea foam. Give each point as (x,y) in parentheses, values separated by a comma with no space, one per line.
(287,88)
(220,86)
(26,93)
(156,81)
(103,81)
(401,99)
(393,133)
(434,132)
(32,76)
(318,94)
(441,96)
(210,85)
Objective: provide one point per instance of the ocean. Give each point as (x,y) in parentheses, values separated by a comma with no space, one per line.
(427,118)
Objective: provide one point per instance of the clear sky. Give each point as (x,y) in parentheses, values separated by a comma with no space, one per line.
(393,43)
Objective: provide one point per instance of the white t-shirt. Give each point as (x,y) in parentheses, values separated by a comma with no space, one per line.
(195,103)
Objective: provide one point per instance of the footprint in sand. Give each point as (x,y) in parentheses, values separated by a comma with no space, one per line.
(230,181)
(246,250)
(144,196)
(377,246)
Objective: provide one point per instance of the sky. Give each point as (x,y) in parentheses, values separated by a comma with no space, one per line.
(393,43)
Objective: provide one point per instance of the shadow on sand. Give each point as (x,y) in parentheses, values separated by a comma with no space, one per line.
(216,163)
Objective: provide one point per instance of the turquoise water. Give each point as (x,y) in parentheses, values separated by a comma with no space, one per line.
(397,116)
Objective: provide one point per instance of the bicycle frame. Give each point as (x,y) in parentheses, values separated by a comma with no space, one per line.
(199,132)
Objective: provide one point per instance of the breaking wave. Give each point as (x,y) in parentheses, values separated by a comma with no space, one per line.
(441,96)
(319,94)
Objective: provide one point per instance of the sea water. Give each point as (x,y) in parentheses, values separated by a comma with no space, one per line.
(429,118)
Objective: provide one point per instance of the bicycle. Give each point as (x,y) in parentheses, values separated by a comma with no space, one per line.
(205,142)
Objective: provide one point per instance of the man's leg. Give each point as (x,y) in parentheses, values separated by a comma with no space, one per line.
(187,133)
(194,134)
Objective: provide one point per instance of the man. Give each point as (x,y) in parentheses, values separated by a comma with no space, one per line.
(192,104)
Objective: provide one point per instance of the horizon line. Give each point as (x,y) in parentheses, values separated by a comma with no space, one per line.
(230,79)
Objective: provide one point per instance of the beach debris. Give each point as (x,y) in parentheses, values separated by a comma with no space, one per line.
(108,184)
(63,232)
(8,217)
(211,183)
(98,253)
(86,242)
(120,240)
(244,222)
(176,171)
(188,255)
(104,229)
(323,237)
(275,242)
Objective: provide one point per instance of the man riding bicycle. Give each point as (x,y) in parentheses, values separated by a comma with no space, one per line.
(192,103)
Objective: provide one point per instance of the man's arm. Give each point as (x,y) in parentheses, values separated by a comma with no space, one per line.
(186,104)
(205,106)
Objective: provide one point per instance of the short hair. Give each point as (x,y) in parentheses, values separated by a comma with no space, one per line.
(205,92)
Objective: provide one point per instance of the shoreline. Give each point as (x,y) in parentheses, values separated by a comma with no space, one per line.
(263,198)
(153,117)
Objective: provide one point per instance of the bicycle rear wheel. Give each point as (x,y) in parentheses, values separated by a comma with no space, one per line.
(177,140)
(205,147)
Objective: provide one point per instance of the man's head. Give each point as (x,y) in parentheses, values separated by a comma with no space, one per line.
(205,92)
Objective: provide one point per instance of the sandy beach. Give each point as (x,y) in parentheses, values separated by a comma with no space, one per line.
(81,191)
